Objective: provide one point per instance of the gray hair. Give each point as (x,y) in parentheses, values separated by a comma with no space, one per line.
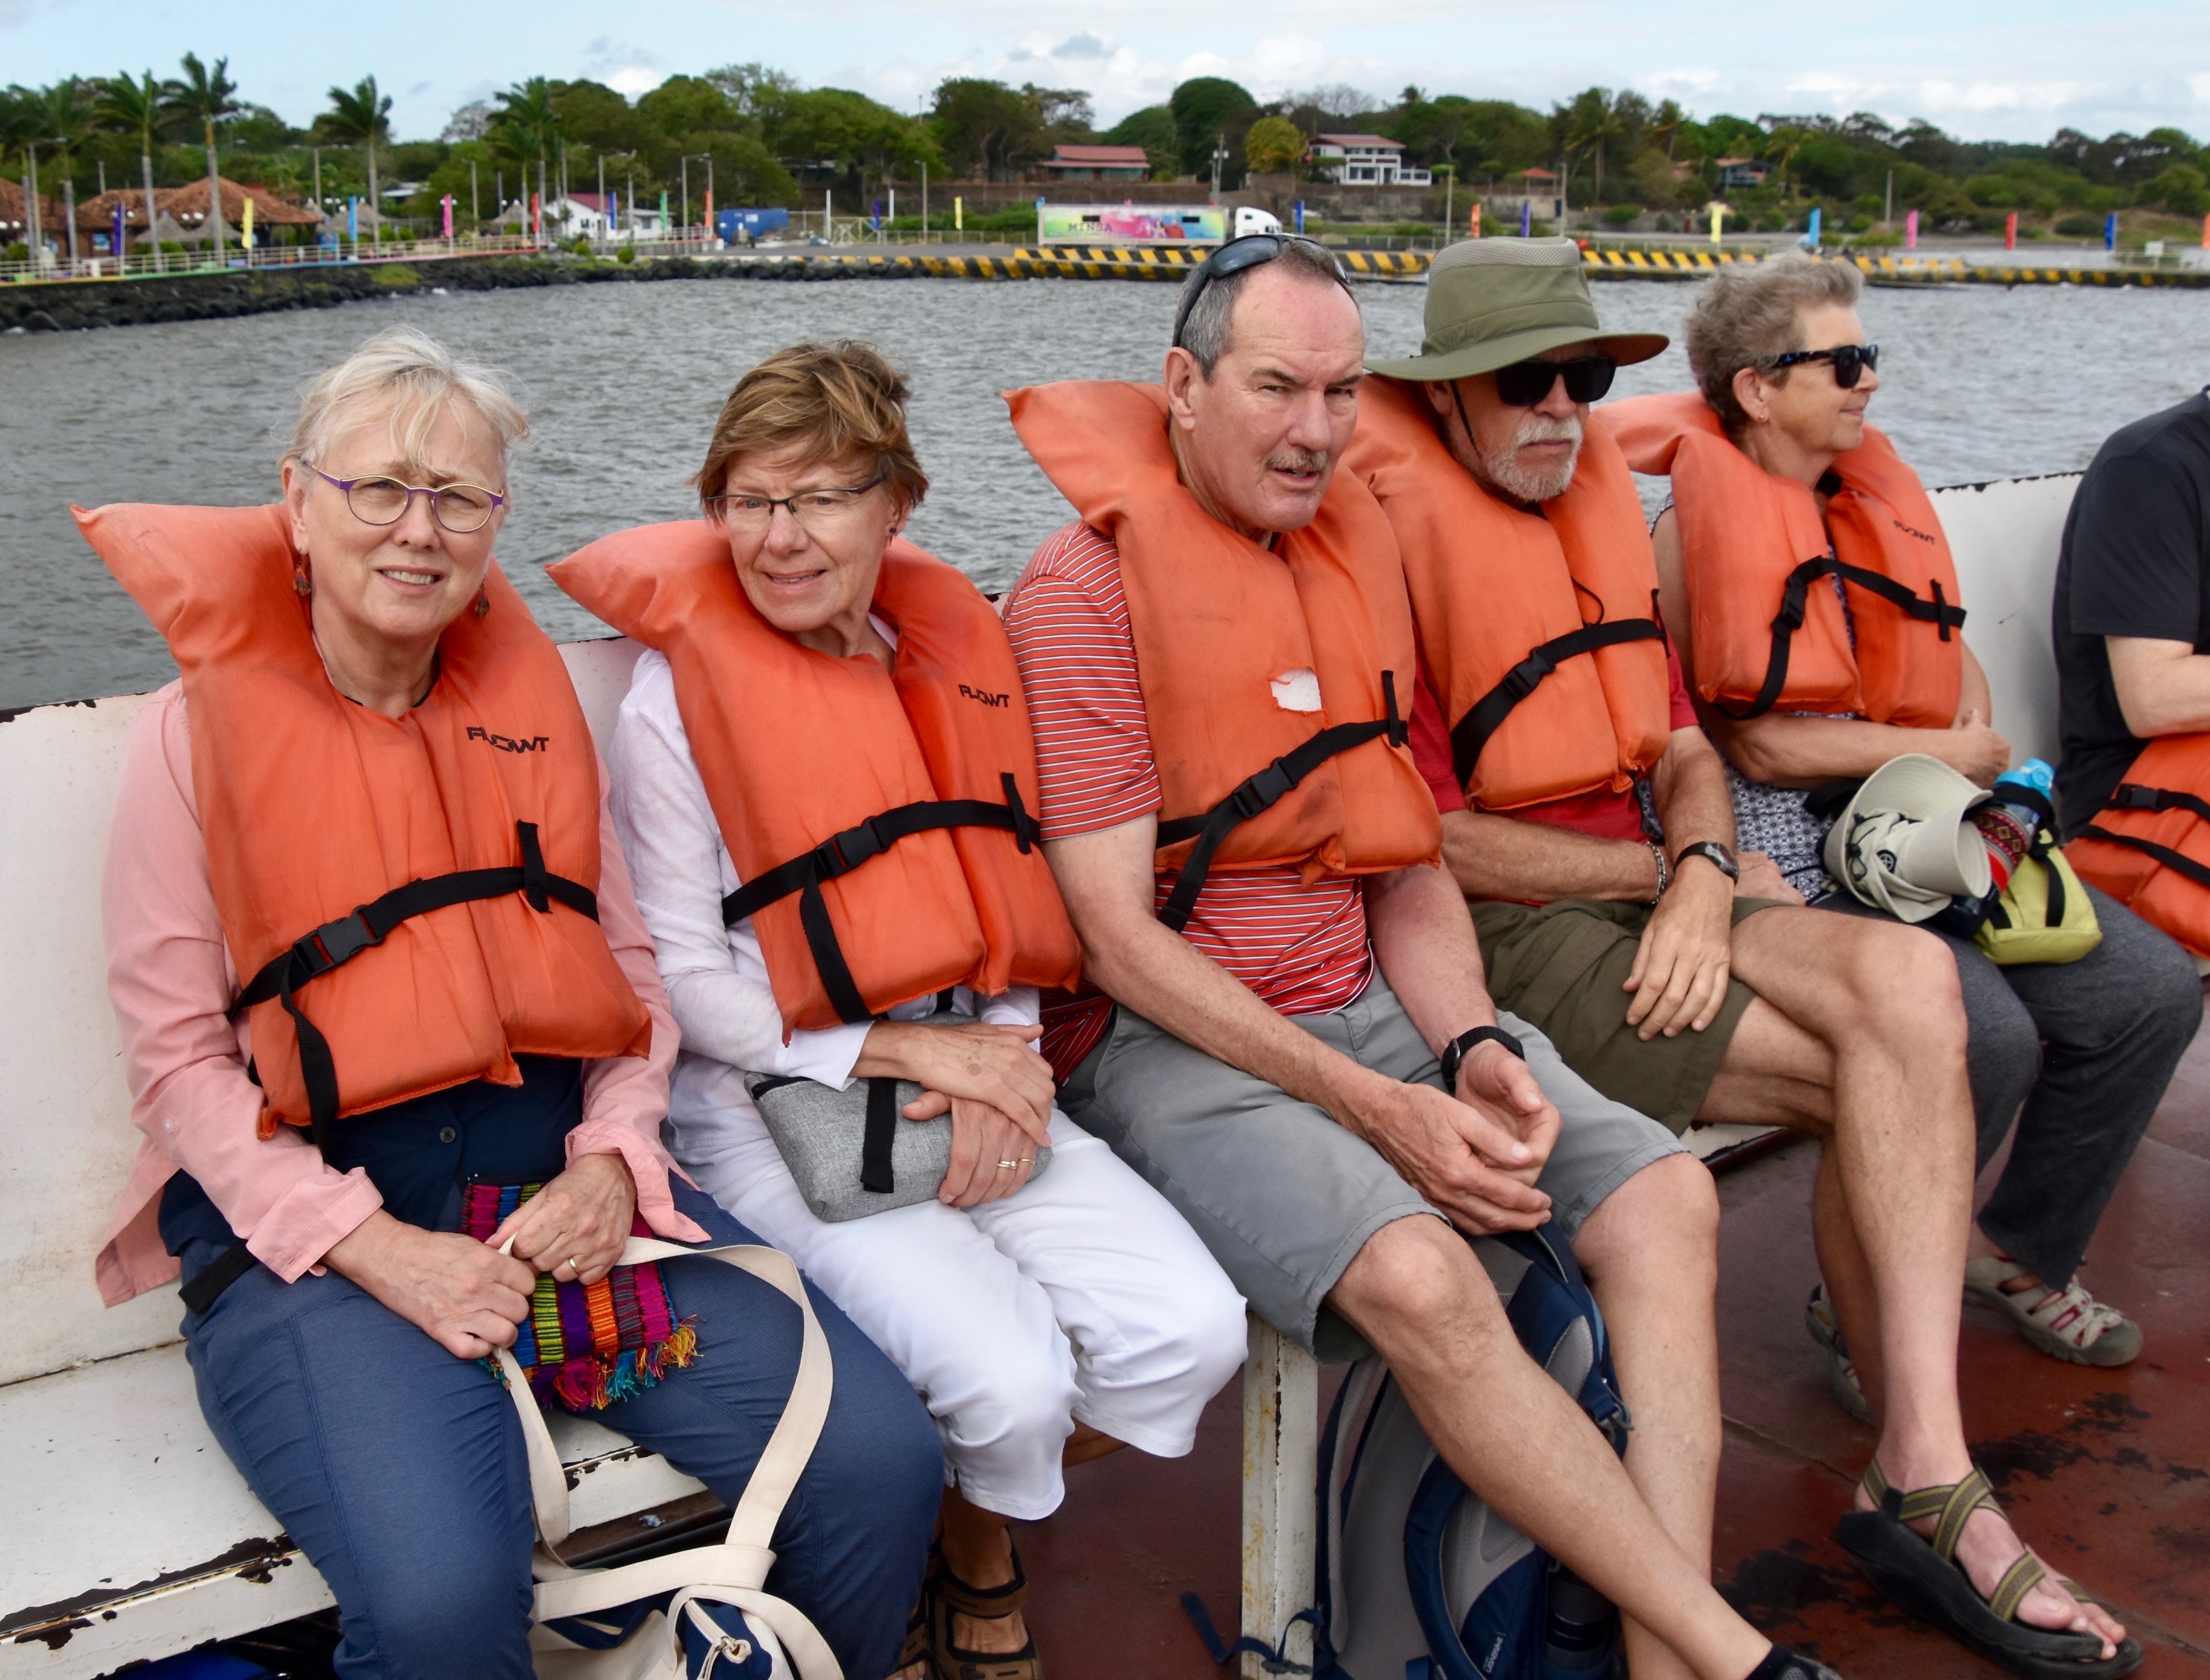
(1205,334)
(1748,315)
(419,377)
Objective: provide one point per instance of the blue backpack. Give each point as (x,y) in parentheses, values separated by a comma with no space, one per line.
(1419,1580)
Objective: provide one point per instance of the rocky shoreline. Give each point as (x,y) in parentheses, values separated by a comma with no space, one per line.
(70,307)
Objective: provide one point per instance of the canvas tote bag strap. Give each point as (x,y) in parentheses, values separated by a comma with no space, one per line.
(734,1570)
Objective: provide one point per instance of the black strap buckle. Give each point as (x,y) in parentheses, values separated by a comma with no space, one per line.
(841,854)
(1522,679)
(1263,791)
(2132,796)
(335,942)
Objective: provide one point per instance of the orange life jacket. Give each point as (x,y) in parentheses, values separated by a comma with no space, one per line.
(1540,629)
(2149,847)
(1219,622)
(1767,629)
(427,884)
(816,767)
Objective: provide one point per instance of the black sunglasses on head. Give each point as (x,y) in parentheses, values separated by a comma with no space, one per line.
(1523,384)
(1251,251)
(1850,361)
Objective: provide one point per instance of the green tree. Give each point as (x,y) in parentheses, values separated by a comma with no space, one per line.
(753,91)
(1585,125)
(1153,129)
(1274,146)
(527,126)
(1211,110)
(594,115)
(205,96)
(132,105)
(361,115)
(988,128)
(834,129)
(689,105)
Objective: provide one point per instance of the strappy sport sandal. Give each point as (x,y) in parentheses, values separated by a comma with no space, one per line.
(1924,1577)
(2068,1323)
(1841,1370)
(1782,1664)
(954,1597)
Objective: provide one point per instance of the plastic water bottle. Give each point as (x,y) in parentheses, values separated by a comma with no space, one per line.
(2006,826)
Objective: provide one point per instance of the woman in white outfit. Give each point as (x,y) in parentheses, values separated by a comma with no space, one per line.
(1043,1319)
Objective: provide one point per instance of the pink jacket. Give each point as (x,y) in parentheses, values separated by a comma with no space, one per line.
(170,978)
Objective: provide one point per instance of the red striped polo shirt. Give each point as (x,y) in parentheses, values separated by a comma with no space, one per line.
(1302,950)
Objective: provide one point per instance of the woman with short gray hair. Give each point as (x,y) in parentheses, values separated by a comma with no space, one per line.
(400,1051)
(1784,497)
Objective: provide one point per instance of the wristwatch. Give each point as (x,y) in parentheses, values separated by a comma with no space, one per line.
(1714,854)
(1454,1052)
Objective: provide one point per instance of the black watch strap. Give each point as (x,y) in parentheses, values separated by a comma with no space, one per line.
(1454,1052)
(1714,854)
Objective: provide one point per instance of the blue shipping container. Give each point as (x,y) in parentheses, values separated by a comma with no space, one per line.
(735,225)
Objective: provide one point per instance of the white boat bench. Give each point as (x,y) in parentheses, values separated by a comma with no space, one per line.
(125,1534)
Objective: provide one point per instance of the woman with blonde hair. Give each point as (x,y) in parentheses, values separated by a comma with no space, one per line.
(825,782)
(399,1050)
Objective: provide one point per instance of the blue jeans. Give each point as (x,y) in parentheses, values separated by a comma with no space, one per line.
(399,1469)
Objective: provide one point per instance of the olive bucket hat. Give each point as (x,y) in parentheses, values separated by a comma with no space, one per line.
(1493,302)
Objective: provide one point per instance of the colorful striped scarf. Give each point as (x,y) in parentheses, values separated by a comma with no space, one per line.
(589,1344)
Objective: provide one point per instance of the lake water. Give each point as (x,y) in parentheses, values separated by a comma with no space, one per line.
(623,383)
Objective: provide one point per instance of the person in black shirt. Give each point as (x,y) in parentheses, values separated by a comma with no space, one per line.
(2132,614)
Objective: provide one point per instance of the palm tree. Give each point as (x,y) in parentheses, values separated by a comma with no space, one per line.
(207,97)
(21,132)
(1592,119)
(527,125)
(361,118)
(126,106)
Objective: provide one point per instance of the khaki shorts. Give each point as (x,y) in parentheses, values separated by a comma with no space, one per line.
(1563,966)
(1283,1195)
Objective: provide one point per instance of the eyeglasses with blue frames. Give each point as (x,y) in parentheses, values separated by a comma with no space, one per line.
(380,500)
(1849,360)
(1251,251)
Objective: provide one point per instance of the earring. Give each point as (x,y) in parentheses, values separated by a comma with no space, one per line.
(301,582)
(483,603)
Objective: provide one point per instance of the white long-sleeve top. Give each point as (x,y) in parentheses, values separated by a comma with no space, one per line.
(717,979)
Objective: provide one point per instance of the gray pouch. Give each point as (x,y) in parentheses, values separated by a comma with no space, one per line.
(852,1153)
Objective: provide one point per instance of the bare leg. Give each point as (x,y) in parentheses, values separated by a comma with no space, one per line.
(1085,1444)
(1651,1251)
(1876,1008)
(1419,1295)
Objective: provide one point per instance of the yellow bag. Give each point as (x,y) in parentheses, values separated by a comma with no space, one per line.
(2045,914)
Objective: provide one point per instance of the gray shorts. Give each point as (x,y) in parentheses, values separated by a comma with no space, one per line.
(1283,1195)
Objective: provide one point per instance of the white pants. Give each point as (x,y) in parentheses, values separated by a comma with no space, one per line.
(1083,1298)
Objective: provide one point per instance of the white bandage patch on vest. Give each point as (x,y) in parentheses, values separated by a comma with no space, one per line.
(1296,690)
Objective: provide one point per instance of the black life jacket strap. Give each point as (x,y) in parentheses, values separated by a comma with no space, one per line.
(1794,598)
(316,953)
(1487,714)
(880,1138)
(1261,792)
(843,852)
(2133,796)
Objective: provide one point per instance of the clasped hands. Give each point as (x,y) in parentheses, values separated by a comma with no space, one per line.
(1474,1153)
(468,1297)
(991,1080)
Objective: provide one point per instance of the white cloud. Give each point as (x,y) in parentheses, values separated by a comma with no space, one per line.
(633,79)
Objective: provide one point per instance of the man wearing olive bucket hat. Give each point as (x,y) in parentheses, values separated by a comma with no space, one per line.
(1588,819)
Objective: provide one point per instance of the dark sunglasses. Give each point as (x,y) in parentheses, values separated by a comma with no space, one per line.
(1523,384)
(1251,251)
(1850,361)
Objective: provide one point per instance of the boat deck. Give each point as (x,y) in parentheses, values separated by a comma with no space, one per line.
(2107,1471)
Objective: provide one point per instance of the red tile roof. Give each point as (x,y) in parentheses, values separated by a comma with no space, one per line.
(1101,157)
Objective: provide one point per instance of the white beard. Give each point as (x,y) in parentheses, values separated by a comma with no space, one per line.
(1506,471)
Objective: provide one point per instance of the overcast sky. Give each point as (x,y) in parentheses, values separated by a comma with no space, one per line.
(2014,69)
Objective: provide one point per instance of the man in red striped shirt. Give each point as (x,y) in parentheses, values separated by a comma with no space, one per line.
(1310,1068)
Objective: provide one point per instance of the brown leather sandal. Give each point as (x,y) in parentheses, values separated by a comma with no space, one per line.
(954,1597)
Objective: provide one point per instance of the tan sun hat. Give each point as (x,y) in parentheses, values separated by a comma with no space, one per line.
(1493,302)
(1904,843)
